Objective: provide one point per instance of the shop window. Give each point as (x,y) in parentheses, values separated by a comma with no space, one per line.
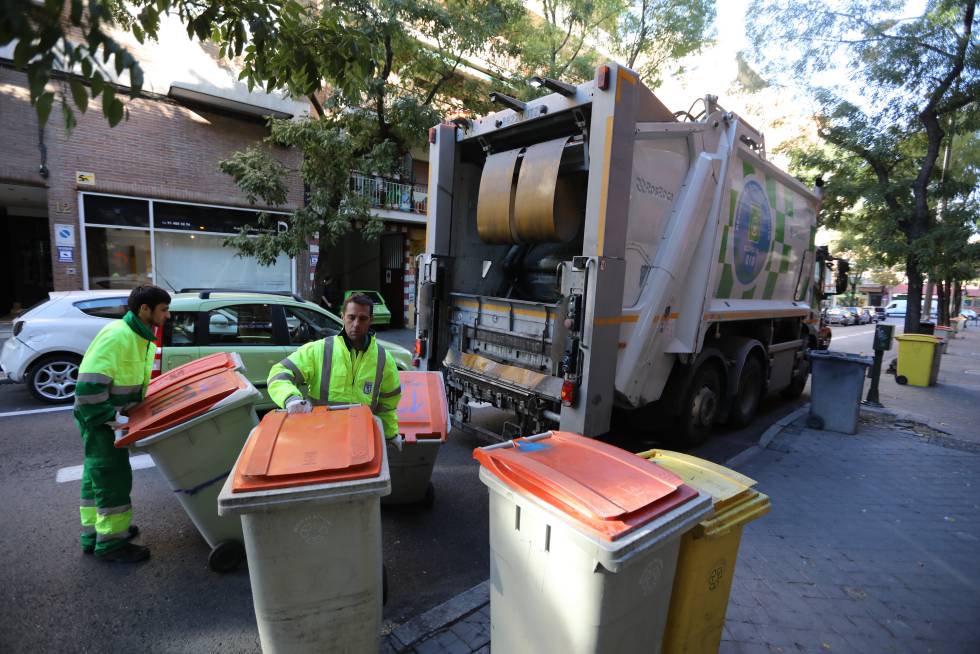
(202,261)
(192,217)
(108,210)
(241,324)
(117,258)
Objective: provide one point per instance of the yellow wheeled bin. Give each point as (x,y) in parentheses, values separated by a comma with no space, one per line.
(706,562)
(918,360)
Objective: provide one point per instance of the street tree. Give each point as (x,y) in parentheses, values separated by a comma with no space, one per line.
(402,66)
(652,35)
(903,78)
(72,43)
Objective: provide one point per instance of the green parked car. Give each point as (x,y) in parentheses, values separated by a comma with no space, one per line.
(263,328)
(382,315)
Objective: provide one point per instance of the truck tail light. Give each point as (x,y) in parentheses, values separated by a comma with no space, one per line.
(419,348)
(157,356)
(602,78)
(568,393)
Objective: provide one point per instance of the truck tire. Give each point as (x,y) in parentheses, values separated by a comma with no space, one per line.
(52,378)
(700,407)
(749,394)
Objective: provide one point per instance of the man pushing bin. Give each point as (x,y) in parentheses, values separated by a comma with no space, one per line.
(349,368)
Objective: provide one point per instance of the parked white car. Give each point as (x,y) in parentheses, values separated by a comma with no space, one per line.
(47,342)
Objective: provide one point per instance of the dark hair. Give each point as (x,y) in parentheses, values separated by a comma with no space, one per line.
(361,299)
(150,295)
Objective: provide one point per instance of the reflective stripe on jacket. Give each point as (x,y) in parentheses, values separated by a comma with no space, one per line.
(115,370)
(352,377)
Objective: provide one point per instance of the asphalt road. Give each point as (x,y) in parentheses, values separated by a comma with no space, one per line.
(54,598)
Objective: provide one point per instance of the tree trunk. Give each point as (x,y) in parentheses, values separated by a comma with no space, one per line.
(942,302)
(913,305)
(927,298)
(957,298)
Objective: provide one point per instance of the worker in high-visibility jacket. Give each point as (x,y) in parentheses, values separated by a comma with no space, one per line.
(349,368)
(113,377)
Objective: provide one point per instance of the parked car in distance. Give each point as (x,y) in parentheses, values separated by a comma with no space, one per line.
(895,309)
(48,341)
(263,328)
(969,314)
(840,316)
(382,315)
(864,315)
(879,313)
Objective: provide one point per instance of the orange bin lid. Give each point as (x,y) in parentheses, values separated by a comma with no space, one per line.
(422,410)
(198,368)
(606,490)
(177,403)
(309,448)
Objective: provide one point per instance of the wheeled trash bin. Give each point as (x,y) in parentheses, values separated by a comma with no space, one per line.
(706,562)
(194,428)
(583,543)
(918,360)
(198,368)
(836,383)
(306,488)
(423,422)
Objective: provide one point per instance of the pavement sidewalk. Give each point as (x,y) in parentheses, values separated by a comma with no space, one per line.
(872,544)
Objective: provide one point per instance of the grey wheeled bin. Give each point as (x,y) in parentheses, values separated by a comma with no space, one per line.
(194,428)
(836,383)
(307,489)
(423,422)
(584,540)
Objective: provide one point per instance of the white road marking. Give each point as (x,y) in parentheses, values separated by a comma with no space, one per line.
(27,412)
(841,338)
(74,473)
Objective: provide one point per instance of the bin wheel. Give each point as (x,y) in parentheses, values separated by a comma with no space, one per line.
(901,380)
(814,422)
(384,584)
(226,556)
(429,500)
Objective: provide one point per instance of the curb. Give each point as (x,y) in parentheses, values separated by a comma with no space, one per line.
(767,436)
(410,633)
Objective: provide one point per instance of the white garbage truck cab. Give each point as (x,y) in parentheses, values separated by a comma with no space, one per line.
(590,252)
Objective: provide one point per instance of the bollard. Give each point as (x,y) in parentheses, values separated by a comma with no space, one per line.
(882,343)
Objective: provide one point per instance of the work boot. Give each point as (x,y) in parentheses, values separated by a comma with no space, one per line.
(134,531)
(128,553)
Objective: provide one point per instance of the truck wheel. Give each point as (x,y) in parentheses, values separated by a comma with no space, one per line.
(749,393)
(795,388)
(700,407)
(52,378)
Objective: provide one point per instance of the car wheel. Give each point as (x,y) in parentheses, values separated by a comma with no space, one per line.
(52,378)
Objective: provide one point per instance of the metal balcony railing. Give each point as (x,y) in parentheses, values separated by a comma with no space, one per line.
(389,194)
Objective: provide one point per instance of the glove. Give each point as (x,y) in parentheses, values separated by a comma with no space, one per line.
(398,441)
(119,425)
(296,404)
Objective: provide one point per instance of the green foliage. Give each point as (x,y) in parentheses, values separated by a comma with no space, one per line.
(56,38)
(652,34)
(891,89)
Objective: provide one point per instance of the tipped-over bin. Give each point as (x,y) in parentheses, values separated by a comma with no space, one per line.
(194,426)
(706,562)
(307,489)
(583,544)
(423,422)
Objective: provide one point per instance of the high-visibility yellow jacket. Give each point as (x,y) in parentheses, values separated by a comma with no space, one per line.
(114,372)
(335,374)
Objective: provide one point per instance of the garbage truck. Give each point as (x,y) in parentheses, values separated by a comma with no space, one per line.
(590,253)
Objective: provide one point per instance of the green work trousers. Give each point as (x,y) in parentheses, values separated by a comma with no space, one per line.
(107,480)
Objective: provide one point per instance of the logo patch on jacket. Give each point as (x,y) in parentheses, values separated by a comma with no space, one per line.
(368,387)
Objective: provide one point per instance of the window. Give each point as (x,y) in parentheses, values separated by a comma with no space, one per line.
(105,307)
(117,258)
(168,215)
(109,210)
(202,261)
(179,330)
(242,324)
(305,325)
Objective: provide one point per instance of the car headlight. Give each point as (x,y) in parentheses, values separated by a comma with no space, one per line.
(18,327)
